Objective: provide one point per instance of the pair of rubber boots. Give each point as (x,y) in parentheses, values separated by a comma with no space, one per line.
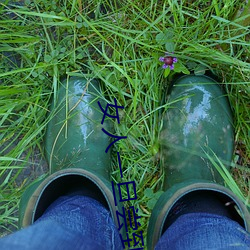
(197,133)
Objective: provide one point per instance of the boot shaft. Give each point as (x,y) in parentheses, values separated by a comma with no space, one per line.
(197,122)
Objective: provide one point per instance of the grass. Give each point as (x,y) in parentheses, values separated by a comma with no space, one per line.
(120,43)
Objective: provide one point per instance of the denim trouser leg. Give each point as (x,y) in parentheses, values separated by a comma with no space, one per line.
(204,231)
(82,223)
(76,222)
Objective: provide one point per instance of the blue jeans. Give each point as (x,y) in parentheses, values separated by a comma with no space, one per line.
(204,231)
(80,222)
(76,222)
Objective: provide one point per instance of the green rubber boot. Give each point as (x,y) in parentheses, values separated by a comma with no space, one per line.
(197,125)
(75,149)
